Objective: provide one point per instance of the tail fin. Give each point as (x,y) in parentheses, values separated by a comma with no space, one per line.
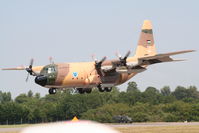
(146,46)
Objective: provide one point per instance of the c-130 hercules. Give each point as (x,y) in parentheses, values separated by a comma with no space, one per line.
(103,74)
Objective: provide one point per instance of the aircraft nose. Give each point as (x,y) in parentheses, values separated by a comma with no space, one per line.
(41,80)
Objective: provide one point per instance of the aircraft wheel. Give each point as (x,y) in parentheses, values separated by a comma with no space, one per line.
(101,89)
(88,90)
(52,91)
(108,89)
(81,90)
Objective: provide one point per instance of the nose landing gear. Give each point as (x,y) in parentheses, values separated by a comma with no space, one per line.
(52,91)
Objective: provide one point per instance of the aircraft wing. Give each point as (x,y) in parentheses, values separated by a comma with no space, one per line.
(36,69)
(16,68)
(161,58)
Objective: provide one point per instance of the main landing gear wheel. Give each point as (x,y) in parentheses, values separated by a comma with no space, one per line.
(80,90)
(84,90)
(88,90)
(108,89)
(52,91)
(101,89)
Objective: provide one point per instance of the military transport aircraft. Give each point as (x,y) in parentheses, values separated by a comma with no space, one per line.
(103,74)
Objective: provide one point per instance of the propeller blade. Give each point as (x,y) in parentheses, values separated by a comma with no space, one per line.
(123,59)
(29,69)
(127,55)
(103,59)
(27,77)
(31,63)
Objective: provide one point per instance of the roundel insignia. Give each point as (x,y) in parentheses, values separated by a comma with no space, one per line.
(75,74)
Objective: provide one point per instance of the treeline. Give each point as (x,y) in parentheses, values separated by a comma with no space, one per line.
(182,104)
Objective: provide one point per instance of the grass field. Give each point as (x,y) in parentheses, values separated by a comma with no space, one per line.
(160,129)
(14,126)
(138,129)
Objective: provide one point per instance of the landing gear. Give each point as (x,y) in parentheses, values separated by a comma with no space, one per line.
(84,90)
(101,89)
(107,89)
(52,91)
(88,90)
(80,90)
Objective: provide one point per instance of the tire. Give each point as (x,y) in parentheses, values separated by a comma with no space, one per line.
(81,90)
(52,91)
(108,89)
(101,89)
(88,90)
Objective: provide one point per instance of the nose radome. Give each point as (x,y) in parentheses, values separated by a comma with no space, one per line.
(41,80)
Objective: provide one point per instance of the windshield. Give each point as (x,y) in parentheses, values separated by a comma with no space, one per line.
(50,70)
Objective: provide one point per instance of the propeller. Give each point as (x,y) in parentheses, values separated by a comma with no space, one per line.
(29,69)
(123,59)
(98,64)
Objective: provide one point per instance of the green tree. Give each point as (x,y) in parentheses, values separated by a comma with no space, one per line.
(22,98)
(151,95)
(37,95)
(165,91)
(132,86)
(5,97)
(106,112)
(30,93)
(192,92)
(180,92)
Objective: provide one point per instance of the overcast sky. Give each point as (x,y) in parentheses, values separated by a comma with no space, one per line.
(73,30)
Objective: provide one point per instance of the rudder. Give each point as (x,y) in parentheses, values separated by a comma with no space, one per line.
(146,46)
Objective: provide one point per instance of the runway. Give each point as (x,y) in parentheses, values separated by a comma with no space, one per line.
(150,124)
(14,129)
(153,124)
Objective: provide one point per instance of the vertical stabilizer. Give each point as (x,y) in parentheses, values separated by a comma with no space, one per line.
(146,46)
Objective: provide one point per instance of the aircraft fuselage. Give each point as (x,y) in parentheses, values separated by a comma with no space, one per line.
(80,75)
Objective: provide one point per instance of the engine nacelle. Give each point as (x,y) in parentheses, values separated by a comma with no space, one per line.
(132,64)
(130,70)
(106,68)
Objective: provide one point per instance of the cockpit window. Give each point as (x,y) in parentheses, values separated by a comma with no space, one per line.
(51,70)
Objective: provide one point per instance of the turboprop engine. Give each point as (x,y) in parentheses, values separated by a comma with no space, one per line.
(136,69)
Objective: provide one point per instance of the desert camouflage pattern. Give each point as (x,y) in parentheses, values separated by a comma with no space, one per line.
(86,75)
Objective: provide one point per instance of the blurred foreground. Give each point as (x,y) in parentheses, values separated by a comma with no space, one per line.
(154,127)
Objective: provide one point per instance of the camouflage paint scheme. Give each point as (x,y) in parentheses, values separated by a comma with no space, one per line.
(85,74)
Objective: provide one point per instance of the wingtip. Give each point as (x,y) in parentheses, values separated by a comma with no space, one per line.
(147,24)
(193,50)
(187,51)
